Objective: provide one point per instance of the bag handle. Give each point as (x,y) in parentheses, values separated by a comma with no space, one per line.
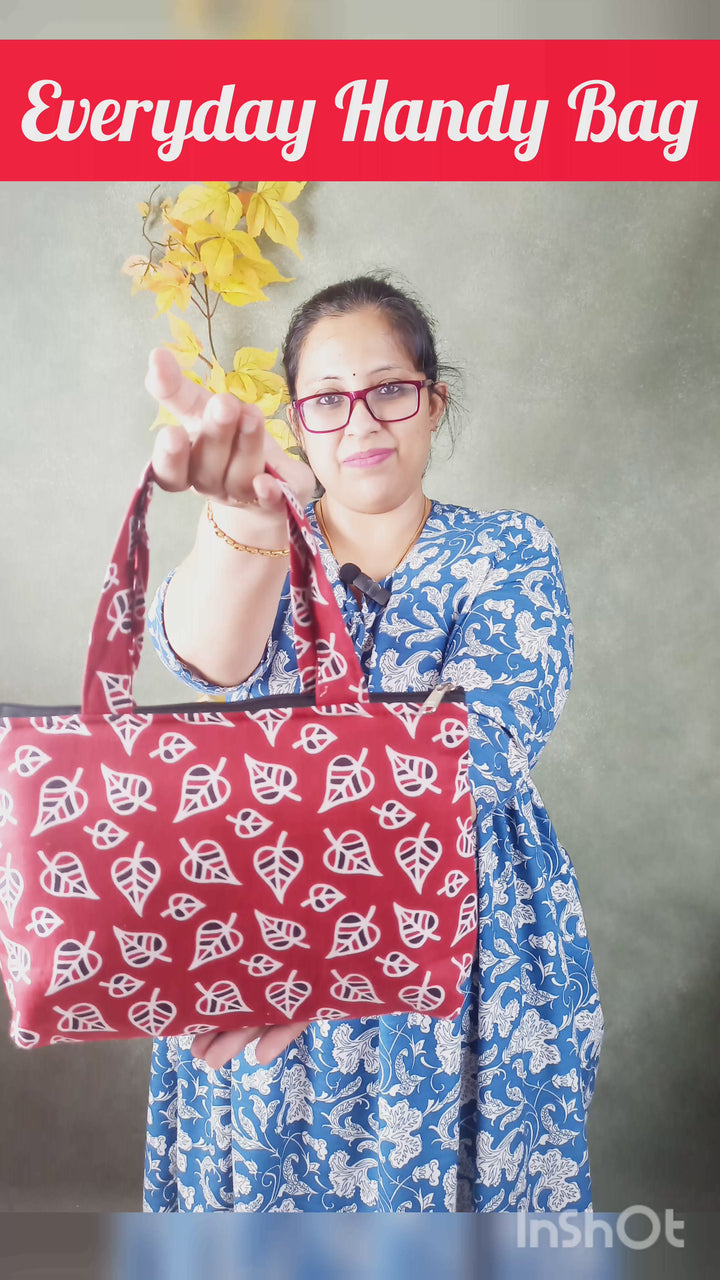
(326,657)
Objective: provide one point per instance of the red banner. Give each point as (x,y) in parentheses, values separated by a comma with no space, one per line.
(362,110)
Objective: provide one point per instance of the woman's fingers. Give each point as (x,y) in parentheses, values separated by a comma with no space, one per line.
(275,1039)
(173,444)
(219,446)
(268,493)
(171,458)
(247,461)
(217,1048)
(293,470)
(164,380)
(228,433)
(223,437)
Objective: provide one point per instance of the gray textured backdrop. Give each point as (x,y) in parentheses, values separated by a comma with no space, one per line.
(585,318)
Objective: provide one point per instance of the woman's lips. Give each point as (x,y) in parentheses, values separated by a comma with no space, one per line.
(368,459)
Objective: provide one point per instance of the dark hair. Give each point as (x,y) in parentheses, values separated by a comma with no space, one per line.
(409,317)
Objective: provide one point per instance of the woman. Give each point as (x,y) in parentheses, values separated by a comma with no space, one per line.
(405,1112)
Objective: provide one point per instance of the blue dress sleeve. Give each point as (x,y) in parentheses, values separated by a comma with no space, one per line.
(512,650)
(175,664)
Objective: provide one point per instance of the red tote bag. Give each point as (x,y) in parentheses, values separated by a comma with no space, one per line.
(167,870)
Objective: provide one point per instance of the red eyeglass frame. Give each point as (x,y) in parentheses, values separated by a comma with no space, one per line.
(352,396)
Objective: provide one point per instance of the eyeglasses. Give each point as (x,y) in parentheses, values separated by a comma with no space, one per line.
(387,402)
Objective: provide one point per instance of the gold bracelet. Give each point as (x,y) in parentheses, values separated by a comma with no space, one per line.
(241,546)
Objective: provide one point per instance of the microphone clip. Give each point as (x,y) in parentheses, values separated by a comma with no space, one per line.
(352,576)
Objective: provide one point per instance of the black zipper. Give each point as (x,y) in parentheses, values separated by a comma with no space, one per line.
(17,710)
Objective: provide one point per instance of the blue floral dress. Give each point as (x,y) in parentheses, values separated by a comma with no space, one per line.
(410,1113)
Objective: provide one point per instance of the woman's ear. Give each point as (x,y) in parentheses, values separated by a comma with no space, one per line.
(439,394)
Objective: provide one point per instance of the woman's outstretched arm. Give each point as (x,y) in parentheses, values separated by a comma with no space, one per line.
(220,604)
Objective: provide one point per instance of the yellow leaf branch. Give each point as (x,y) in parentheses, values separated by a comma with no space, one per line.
(207,252)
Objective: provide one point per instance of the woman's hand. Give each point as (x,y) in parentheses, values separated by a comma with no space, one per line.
(221,447)
(217,1048)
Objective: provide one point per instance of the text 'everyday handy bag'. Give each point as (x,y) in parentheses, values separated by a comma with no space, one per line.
(168,870)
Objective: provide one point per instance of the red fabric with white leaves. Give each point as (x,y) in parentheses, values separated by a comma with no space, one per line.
(173,872)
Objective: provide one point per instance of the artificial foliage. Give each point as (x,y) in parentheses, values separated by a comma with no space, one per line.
(206,248)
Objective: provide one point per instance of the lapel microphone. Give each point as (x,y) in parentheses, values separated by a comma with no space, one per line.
(354,577)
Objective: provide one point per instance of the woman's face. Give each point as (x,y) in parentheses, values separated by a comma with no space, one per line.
(349,353)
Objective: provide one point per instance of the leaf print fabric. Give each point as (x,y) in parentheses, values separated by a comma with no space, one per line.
(412,1113)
